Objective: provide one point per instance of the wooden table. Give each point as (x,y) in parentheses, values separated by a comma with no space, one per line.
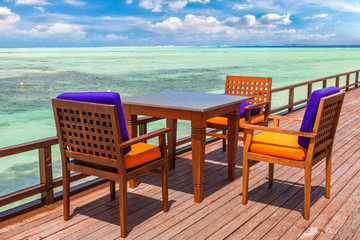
(196,107)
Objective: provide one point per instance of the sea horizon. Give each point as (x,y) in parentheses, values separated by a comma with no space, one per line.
(199,46)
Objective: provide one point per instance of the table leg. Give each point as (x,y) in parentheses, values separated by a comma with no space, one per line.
(198,135)
(171,139)
(131,123)
(233,132)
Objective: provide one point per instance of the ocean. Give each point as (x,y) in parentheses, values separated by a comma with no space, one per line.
(26,113)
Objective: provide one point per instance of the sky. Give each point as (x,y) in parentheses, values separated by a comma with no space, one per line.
(80,23)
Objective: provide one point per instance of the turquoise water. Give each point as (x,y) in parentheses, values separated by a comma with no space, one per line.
(25,112)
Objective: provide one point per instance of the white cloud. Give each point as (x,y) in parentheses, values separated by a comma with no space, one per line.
(322,15)
(157,5)
(207,27)
(7,19)
(313,36)
(268,5)
(317,26)
(41,28)
(286,31)
(238,6)
(60,16)
(200,27)
(58,31)
(123,19)
(247,21)
(273,18)
(129,1)
(266,21)
(337,5)
(246,28)
(41,9)
(75,3)
(294,35)
(32,2)
(113,37)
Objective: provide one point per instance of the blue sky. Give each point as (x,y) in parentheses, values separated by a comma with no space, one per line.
(78,23)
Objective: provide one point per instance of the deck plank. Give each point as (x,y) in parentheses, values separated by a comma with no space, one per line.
(351,228)
(271,213)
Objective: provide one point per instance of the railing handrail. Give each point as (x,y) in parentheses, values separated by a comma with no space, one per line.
(28,146)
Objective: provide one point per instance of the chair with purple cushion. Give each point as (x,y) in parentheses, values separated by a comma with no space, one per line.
(303,148)
(94,140)
(255,111)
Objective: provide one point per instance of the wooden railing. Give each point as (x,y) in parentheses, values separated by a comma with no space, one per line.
(45,166)
(47,183)
(291,102)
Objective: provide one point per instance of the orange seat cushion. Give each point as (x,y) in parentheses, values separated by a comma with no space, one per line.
(223,120)
(278,145)
(141,153)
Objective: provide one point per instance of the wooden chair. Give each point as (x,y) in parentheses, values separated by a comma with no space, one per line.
(90,140)
(303,148)
(255,111)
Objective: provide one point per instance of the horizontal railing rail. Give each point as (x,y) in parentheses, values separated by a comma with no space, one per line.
(48,183)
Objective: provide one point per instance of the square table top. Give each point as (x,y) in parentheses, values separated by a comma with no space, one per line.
(182,100)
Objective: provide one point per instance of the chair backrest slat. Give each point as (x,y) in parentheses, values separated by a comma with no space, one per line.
(327,120)
(257,87)
(87,128)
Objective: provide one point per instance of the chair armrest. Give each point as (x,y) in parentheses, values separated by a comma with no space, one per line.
(279,130)
(257,105)
(144,137)
(285,118)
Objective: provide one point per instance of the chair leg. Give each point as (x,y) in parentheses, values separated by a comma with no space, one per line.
(245,180)
(133,183)
(307,193)
(271,174)
(224,142)
(112,190)
(328,175)
(66,194)
(164,184)
(123,206)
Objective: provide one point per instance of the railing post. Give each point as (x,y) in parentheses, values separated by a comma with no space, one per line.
(324,83)
(46,176)
(337,83)
(347,82)
(291,100)
(357,79)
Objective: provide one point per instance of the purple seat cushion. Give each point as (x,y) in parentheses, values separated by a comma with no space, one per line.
(253,111)
(111,98)
(311,111)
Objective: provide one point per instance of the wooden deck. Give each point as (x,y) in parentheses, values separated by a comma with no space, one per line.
(272,213)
